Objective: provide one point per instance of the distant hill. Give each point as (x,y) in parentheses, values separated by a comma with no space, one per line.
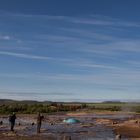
(8,101)
(112,102)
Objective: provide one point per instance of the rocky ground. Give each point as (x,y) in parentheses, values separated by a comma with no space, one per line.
(96,126)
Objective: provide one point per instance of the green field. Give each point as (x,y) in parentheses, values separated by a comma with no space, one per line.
(30,107)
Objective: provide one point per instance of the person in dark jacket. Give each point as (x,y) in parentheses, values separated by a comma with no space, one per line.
(39,122)
(12,119)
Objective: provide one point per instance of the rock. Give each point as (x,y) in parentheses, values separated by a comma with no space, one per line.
(137,122)
(1,122)
(87,125)
(67,138)
(114,122)
(118,137)
(52,123)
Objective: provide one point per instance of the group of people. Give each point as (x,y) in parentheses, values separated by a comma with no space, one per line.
(13,117)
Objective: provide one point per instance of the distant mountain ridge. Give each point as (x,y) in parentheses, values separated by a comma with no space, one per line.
(8,101)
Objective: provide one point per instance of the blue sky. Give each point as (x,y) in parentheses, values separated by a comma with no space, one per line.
(70,50)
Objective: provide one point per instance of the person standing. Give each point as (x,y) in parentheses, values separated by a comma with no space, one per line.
(39,122)
(12,119)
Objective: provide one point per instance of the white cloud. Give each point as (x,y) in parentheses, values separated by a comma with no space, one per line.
(90,34)
(106,22)
(27,56)
(5,37)
(36,57)
(113,48)
(100,20)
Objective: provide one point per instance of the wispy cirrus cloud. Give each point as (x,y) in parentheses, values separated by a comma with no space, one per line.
(34,57)
(71,62)
(89,34)
(26,56)
(114,48)
(9,38)
(112,79)
(99,20)
(5,37)
(95,20)
(84,63)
